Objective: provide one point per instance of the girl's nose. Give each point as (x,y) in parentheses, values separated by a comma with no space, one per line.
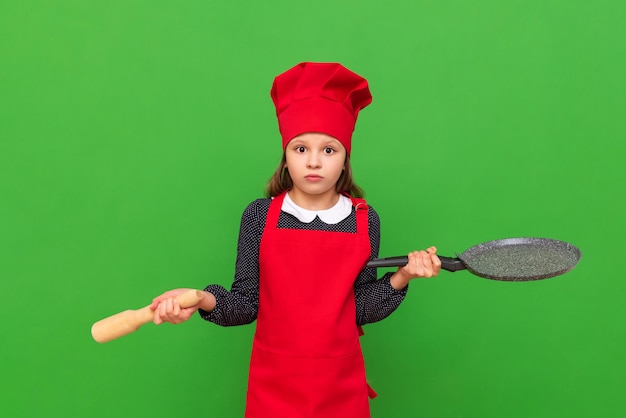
(313,161)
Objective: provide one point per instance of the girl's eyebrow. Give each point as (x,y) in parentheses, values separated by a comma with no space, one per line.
(331,145)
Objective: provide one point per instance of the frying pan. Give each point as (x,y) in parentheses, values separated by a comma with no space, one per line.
(510,259)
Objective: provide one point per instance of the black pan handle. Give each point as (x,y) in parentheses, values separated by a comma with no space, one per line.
(447,263)
(388,262)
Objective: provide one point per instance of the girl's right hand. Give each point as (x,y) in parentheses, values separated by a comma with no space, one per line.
(167,309)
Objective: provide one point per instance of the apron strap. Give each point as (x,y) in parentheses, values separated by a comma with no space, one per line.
(360,206)
(274,211)
(370,392)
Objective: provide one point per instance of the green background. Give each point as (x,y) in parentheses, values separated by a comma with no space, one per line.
(134,133)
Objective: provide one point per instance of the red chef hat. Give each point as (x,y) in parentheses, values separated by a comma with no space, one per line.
(319,97)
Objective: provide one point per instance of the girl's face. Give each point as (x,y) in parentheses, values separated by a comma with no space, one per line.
(315,162)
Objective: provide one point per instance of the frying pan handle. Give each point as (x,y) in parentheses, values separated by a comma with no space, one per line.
(452,263)
(447,263)
(388,262)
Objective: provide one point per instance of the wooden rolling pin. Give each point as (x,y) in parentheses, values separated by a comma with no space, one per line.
(128,321)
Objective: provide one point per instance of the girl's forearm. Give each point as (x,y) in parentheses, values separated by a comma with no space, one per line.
(208,302)
(399,280)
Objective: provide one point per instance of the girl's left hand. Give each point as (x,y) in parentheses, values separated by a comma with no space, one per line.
(422,264)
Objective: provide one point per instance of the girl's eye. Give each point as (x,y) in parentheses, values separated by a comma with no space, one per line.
(328,150)
(300,149)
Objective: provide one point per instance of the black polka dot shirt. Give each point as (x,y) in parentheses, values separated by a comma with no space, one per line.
(375,298)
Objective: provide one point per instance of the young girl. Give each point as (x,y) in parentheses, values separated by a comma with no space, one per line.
(301,256)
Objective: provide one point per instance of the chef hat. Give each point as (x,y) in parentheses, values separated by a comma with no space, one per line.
(319,97)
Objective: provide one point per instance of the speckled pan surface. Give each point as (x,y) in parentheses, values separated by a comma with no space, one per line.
(521,259)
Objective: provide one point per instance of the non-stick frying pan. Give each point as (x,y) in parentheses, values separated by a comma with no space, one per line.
(511,259)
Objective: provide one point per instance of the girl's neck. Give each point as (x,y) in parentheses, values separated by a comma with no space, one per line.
(313,201)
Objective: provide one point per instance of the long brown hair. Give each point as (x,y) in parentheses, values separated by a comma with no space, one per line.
(281,181)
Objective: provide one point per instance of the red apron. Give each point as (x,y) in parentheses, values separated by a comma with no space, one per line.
(306,356)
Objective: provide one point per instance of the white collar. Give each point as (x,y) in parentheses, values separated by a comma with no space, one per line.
(334,215)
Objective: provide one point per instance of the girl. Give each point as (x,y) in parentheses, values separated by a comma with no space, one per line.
(301,256)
